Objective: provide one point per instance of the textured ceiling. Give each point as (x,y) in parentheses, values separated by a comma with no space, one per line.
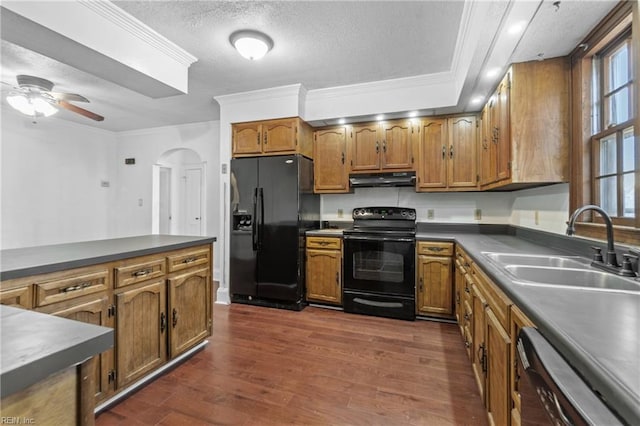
(319,44)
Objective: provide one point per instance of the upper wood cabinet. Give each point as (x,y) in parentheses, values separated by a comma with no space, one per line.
(448,154)
(384,146)
(272,137)
(330,161)
(525,127)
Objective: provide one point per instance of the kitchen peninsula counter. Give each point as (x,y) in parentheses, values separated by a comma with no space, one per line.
(22,262)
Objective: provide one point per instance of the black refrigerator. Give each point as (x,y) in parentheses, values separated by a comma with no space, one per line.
(272,206)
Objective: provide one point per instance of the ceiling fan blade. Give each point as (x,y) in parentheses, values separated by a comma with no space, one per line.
(69,97)
(81,111)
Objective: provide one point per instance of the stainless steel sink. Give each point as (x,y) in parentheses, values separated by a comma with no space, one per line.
(538,260)
(572,277)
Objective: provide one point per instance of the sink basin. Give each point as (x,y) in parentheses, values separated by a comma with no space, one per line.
(538,260)
(572,277)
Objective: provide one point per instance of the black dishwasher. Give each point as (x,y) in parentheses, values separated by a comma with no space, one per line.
(551,392)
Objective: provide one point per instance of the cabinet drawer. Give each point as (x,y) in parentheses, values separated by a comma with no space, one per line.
(138,270)
(70,286)
(437,248)
(323,243)
(187,259)
(462,259)
(19,297)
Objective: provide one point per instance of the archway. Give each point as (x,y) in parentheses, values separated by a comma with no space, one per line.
(178,201)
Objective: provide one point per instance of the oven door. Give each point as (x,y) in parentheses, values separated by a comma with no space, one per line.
(381,265)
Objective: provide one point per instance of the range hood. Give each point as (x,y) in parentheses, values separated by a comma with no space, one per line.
(382,179)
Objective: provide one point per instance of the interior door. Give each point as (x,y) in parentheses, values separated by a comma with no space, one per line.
(193,198)
(165,200)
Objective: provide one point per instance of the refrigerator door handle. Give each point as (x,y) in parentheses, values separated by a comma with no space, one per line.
(261,225)
(254,225)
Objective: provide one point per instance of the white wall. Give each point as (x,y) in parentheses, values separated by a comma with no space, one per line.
(545,208)
(135,181)
(51,175)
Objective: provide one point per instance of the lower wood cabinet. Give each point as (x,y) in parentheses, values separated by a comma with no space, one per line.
(160,306)
(498,344)
(141,330)
(324,270)
(95,310)
(434,292)
(518,321)
(190,323)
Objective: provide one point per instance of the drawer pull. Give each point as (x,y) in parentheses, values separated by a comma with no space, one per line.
(467,344)
(323,243)
(190,259)
(435,248)
(75,287)
(142,272)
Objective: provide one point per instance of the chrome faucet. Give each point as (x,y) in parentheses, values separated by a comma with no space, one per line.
(612,260)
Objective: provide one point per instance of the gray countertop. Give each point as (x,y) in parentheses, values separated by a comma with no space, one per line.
(22,262)
(36,345)
(596,331)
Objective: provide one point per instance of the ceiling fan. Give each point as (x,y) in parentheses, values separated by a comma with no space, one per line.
(34,97)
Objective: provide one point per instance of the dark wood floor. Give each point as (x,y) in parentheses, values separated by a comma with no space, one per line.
(316,367)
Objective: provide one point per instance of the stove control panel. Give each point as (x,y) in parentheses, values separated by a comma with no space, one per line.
(384,213)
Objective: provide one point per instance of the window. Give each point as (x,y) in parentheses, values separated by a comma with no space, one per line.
(606,157)
(613,155)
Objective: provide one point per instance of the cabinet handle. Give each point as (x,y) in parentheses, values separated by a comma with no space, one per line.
(163,322)
(377,147)
(174,318)
(466,316)
(444,152)
(466,290)
(343,158)
(141,273)
(189,259)
(384,146)
(265,138)
(451,151)
(482,358)
(466,344)
(435,248)
(420,284)
(258,138)
(337,278)
(75,287)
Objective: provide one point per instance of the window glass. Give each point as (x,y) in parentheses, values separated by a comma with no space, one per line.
(628,150)
(608,157)
(629,201)
(617,106)
(618,67)
(608,195)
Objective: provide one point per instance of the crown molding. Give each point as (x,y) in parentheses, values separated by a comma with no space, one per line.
(138,29)
(280,92)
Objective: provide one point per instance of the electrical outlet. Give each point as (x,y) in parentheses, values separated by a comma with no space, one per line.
(536,217)
(477,214)
(340,213)
(430,214)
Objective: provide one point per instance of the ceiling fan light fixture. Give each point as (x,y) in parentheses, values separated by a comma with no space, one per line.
(251,44)
(31,105)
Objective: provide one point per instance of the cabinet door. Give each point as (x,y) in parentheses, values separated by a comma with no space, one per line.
(432,172)
(458,297)
(397,147)
(365,148)
(488,149)
(479,348)
(434,285)
(279,135)
(329,160)
(324,275)
(518,321)
(141,330)
(503,140)
(462,168)
(190,302)
(497,394)
(92,312)
(247,139)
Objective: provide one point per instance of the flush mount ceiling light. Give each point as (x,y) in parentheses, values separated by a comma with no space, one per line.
(251,44)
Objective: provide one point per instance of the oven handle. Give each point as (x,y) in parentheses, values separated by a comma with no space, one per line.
(401,240)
